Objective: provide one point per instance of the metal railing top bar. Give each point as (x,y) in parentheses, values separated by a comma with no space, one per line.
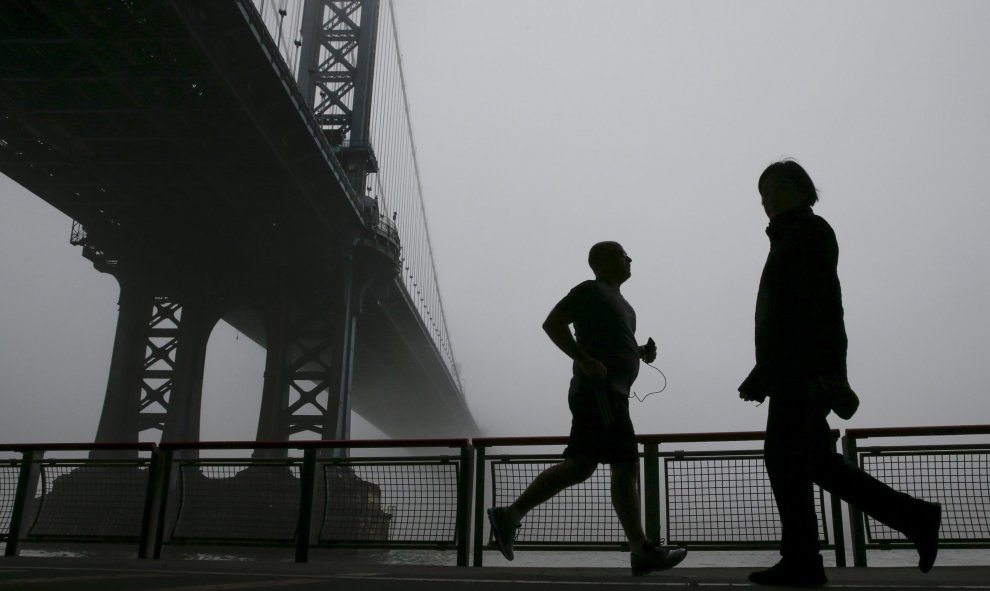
(701,437)
(317,443)
(647,438)
(708,437)
(514,441)
(959,449)
(721,453)
(918,431)
(22,447)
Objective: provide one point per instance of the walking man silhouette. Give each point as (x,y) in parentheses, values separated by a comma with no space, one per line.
(606,362)
(801,367)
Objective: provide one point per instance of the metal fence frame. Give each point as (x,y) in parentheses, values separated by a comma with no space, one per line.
(159,513)
(856,454)
(654,501)
(571,541)
(473,462)
(315,454)
(33,457)
(835,541)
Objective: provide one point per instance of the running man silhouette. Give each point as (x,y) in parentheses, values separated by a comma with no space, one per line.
(606,362)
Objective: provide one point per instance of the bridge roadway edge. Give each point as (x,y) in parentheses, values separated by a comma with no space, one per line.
(84,574)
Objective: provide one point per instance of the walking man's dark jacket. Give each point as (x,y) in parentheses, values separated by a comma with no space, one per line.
(800,333)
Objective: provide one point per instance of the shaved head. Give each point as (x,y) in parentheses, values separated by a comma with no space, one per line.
(600,252)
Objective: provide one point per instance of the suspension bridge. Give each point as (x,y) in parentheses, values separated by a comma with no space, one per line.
(253,161)
(246,161)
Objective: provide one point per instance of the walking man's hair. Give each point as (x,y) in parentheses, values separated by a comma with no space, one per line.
(795,175)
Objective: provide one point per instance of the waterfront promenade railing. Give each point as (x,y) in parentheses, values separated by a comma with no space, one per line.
(77,492)
(950,465)
(300,494)
(717,494)
(707,491)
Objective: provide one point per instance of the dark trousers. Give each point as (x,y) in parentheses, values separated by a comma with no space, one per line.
(799,452)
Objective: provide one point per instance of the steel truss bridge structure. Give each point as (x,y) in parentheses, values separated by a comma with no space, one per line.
(246,161)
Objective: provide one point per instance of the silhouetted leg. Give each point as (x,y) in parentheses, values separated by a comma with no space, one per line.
(791,481)
(856,487)
(550,482)
(625,501)
(917,519)
(794,438)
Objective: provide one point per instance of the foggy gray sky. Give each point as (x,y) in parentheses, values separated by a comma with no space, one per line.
(545,126)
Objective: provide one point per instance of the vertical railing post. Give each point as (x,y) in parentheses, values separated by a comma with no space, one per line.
(479,504)
(17,516)
(856,524)
(164,487)
(464,498)
(838,532)
(651,489)
(148,524)
(307,482)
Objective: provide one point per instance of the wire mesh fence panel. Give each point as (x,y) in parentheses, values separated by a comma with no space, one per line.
(91,500)
(9,472)
(581,514)
(960,480)
(385,501)
(242,501)
(724,500)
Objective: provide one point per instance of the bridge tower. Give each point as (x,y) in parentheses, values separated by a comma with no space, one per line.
(308,306)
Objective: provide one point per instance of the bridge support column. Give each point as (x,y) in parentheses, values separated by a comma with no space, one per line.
(186,399)
(337,423)
(156,371)
(119,419)
(309,364)
(273,424)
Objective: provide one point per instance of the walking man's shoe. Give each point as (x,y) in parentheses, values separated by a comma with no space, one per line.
(503,529)
(655,556)
(792,573)
(925,537)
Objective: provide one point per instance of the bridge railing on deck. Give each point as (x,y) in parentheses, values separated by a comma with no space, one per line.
(956,474)
(705,490)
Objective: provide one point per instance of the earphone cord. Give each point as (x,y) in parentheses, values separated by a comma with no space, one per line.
(647,395)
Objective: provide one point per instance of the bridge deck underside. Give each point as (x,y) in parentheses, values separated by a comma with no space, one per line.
(166,129)
(115,114)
